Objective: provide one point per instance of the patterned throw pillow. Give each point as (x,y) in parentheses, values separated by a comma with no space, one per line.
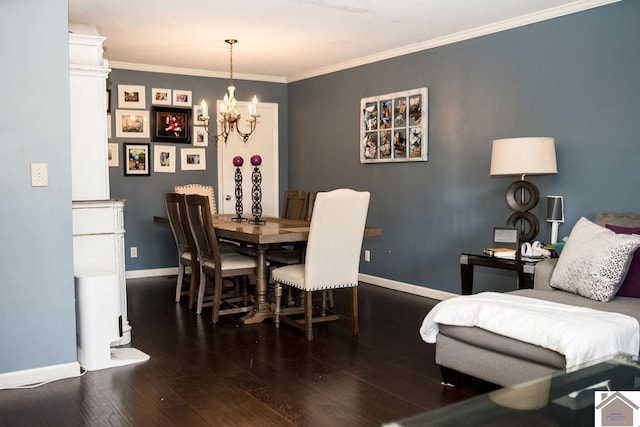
(594,261)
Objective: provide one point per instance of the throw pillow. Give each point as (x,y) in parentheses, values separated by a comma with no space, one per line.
(631,284)
(594,261)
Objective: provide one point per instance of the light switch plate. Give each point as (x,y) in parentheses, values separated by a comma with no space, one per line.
(39,175)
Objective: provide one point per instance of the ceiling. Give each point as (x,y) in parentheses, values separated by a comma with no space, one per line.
(288,40)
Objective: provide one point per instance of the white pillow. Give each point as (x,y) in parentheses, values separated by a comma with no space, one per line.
(594,261)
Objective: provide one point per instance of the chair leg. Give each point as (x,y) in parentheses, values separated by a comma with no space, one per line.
(308,313)
(354,310)
(217,299)
(278,297)
(181,269)
(203,283)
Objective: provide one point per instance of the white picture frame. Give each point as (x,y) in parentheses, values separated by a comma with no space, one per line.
(182,98)
(164,158)
(197,115)
(132,124)
(193,159)
(113,154)
(161,96)
(395,127)
(131,96)
(109,126)
(200,137)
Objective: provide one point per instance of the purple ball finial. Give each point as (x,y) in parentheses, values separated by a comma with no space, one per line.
(238,161)
(256,160)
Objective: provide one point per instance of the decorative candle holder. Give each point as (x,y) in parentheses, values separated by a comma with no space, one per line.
(237,162)
(256,190)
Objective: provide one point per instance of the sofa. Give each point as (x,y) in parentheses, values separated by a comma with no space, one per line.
(504,361)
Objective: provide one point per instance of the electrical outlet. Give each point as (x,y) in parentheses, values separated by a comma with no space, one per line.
(134,252)
(367,255)
(39,175)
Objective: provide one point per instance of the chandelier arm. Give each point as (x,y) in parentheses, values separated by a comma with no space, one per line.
(245,136)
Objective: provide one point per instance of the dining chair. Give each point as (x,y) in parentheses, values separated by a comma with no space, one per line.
(216,266)
(332,258)
(202,190)
(187,253)
(207,190)
(294,205)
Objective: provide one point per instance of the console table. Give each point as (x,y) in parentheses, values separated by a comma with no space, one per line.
(524,268)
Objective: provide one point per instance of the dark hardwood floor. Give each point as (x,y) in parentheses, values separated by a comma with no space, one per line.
(202,374)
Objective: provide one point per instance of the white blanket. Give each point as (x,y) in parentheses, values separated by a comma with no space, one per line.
(581,334)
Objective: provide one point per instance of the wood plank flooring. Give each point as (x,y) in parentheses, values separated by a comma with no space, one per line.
(229,374)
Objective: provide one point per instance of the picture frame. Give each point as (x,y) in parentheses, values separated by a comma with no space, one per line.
(136,159)
(107,100)
(197,115)
(113,155)
(130,96)
(200,137)
(161,96)
(164,158)
(193,159)
(182,98)
(394,127)
(171,124)
(108,124)
(132,124)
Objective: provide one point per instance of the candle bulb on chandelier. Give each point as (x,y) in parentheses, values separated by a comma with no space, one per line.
(205,108)
(253,107)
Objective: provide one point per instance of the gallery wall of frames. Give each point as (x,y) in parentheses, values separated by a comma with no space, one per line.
(172,123)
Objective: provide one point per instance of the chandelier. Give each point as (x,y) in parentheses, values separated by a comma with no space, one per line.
(228,115)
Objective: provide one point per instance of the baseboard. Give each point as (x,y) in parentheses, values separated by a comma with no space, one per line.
(39,375)
(374,280)
(406,287)
(155,272)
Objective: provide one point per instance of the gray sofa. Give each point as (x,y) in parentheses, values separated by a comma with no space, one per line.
(504,361)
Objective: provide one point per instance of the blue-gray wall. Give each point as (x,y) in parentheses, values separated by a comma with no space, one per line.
(145,194)
(37,308)
(575,78)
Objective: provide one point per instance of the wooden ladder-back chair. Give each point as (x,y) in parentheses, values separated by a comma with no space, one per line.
(214,266)
(332,257)
(294,205)
(187,253)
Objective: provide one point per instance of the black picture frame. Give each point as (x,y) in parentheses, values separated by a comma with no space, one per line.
(170,124)
(137,159)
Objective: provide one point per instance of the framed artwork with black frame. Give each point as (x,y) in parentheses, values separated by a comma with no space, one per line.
(136,159)
(171,124)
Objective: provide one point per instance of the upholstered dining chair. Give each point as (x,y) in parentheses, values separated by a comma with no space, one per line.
(214,266)
(332,257)
(200,189)
(187,253)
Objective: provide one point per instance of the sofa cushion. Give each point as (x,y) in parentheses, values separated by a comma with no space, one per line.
(594,261)
(631,284)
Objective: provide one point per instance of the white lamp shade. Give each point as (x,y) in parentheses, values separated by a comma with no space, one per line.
(524,156)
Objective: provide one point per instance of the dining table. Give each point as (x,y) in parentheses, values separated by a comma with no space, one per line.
(261,236)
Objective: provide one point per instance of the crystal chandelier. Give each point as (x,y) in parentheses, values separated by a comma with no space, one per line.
(228,115)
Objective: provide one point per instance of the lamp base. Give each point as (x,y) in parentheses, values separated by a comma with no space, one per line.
(518,201)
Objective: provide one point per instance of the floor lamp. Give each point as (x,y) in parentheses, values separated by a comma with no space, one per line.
(521,157)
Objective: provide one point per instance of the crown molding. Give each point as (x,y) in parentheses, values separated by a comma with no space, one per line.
(532,18)
(194,72)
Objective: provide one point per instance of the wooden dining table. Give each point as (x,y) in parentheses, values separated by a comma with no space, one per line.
(269,233)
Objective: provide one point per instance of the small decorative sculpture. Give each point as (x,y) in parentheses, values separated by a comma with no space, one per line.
(256,191)
(237,162)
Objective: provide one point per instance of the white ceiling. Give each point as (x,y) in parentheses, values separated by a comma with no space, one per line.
(288,40)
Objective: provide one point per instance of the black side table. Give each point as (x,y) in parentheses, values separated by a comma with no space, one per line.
(525,269)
